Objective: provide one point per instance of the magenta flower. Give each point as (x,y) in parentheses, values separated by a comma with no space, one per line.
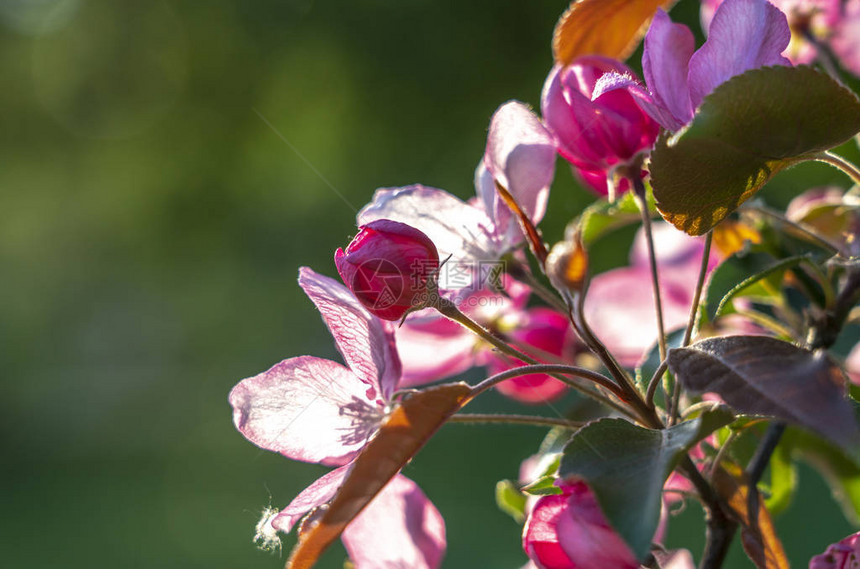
(541,332)
(594,128)
(386,266)
(844,554)
(317,410)
(568,531)
(744,35)
(834,23)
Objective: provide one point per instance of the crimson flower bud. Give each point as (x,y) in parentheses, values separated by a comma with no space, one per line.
(568,531)
(386,266)
(595,125)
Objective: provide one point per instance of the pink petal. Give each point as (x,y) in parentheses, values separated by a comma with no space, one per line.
(317,494)
(846,38)
(642,97)
(399,528)
(307,409)
(665,60)
(455,227)
(852,364)
(506,231)
(619,306)
(676,251)
(745,34)
(520,154)
(586,537)
(540,534)
(365,342)
(434,348)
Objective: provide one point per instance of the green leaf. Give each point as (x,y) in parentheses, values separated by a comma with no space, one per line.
(626,467)
(840,472)
(783,481)
(765,376)
(543,486)
(510,500)
(602,217)
(736,276)
(748,129)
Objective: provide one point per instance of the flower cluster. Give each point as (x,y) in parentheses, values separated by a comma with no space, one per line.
(434,286)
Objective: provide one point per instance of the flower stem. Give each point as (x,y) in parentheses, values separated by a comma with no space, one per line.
(841,163)
(639,192)
(514,420)
(554,369)
(691,321)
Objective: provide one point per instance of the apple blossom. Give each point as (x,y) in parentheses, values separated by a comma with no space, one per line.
(595,129)
(317,410)
(744,35)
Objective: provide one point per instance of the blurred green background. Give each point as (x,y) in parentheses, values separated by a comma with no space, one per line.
(165,168)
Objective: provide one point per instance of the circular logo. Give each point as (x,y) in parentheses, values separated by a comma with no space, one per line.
(379,281)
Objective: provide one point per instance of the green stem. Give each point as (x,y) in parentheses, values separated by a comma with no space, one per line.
(691,321)
(639,192)
(840,163)
(514,420)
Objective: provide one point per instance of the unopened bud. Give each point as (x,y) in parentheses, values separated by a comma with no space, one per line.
(567,265)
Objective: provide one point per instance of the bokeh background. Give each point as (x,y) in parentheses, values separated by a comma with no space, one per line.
(165,168)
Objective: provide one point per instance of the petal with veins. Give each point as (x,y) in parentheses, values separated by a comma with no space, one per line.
(520,154)
(365,342)
(307,409)
(744,35)
(317,494)
(665,61)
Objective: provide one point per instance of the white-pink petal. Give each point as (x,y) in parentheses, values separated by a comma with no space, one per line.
(317,494)
(307,409)
(619,307)
(399,529)
(456,228)
(520,154)
(365,342)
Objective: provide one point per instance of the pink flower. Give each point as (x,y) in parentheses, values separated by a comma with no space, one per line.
(568,531)
(317,410)
(744,35)
(541,332)
(844,554)
(595,127)
(835,23)
(386,266)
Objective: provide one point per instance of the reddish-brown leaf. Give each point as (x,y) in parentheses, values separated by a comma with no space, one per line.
(408,427)
(602,27)
(757,533)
